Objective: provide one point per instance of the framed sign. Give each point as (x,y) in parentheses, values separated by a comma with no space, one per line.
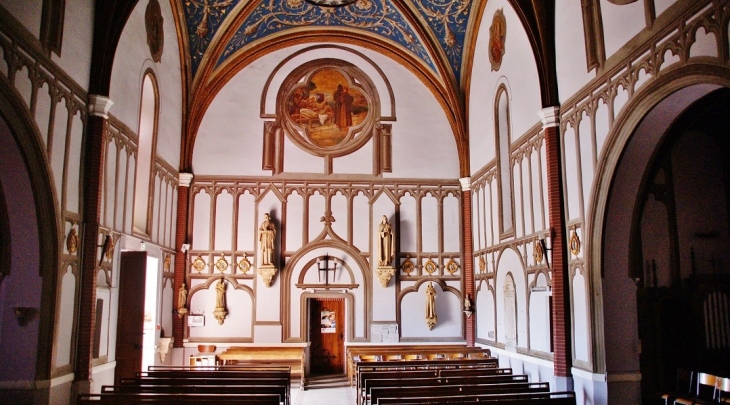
(328,321)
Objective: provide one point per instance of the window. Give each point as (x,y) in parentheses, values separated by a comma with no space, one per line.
(504,167)
(149,110)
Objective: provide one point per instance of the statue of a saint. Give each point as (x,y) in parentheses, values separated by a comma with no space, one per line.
(267,234)
(220,294)
(431,317)
(182,296)
(386,240)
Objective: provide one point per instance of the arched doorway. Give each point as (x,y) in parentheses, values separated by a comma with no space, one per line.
(30,254)
(642,139)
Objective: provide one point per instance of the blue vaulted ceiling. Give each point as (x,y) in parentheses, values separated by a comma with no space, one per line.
(408,24)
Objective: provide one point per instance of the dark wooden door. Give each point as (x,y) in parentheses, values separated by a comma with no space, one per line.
(326,333)
(130,319)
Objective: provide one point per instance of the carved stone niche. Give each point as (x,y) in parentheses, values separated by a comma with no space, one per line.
(385,273)
(267,273)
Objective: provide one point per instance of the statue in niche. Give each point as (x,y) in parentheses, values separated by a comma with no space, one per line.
(386,242)
(182,300)
(431,317)
(220,301)
(267,234)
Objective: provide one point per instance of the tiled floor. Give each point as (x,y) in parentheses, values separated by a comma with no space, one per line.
(325,391)
(324,396)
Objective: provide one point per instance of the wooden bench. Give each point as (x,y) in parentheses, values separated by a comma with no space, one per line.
(529,398)
(357,353)
(167,398)
(244,390)
(369,379)
(422,365)
(440,390)
(408,382)
(292,357)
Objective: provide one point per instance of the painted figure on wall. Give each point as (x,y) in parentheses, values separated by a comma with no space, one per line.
(267,234)
(386,242)
(326,107)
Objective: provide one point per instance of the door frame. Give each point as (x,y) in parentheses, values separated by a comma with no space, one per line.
(349,328)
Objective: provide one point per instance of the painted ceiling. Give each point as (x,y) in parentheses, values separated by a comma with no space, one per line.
(431,31)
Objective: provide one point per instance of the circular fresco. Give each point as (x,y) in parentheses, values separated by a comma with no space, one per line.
(332,3)
(327,107)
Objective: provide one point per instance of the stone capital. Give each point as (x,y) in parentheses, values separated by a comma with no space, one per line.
(465,183)
(185,179)
(550,117)
(99,105)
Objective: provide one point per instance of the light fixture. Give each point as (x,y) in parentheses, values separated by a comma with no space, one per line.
(185,247)
(331,3)
(324,266)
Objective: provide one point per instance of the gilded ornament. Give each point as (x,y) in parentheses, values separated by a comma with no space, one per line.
(452,267)
(155,34)
(539,253)
(199,264)
(167,262)
(220,301)
(482,264)
(244,265)
(408,265)
(221,264)
(72,241)
(267,274)
(574,243)
(430,266)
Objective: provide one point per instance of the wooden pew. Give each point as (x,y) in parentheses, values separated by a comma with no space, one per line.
(428,377)
(358,353)
(422,365)
(244,390)
(167,398)
(439,390)
(292,357)
(530,398)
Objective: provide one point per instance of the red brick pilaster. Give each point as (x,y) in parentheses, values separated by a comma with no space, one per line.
(181,238)
(94,145)
(562,336)
(468,264)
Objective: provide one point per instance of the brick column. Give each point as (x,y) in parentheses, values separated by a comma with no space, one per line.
(93,166)
(181,237)
(468,264)
(562,336)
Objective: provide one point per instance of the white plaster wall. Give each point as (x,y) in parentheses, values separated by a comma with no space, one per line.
(27,12)
(130,62)
(518,71)
(509,262)
(570,51)
(78,31)
(230,137)
(661,6)
(621,23)
(413,314)
(540,318)
(485,309)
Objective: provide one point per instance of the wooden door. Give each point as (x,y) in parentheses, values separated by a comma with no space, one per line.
(130,319)
(327,335)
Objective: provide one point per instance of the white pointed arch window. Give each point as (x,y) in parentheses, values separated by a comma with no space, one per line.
(146,149)
(504,167)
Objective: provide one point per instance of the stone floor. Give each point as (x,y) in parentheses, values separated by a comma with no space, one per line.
(324,390)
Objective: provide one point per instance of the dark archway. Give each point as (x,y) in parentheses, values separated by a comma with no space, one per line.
(32,250)
(679,252)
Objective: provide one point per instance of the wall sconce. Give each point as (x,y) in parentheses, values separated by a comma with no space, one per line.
(164,346)
(468,306)
(25,314)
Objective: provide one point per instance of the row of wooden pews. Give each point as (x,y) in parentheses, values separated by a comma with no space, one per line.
(234,385)
(448,380)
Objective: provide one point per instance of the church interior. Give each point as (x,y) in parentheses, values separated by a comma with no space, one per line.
(199,182)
